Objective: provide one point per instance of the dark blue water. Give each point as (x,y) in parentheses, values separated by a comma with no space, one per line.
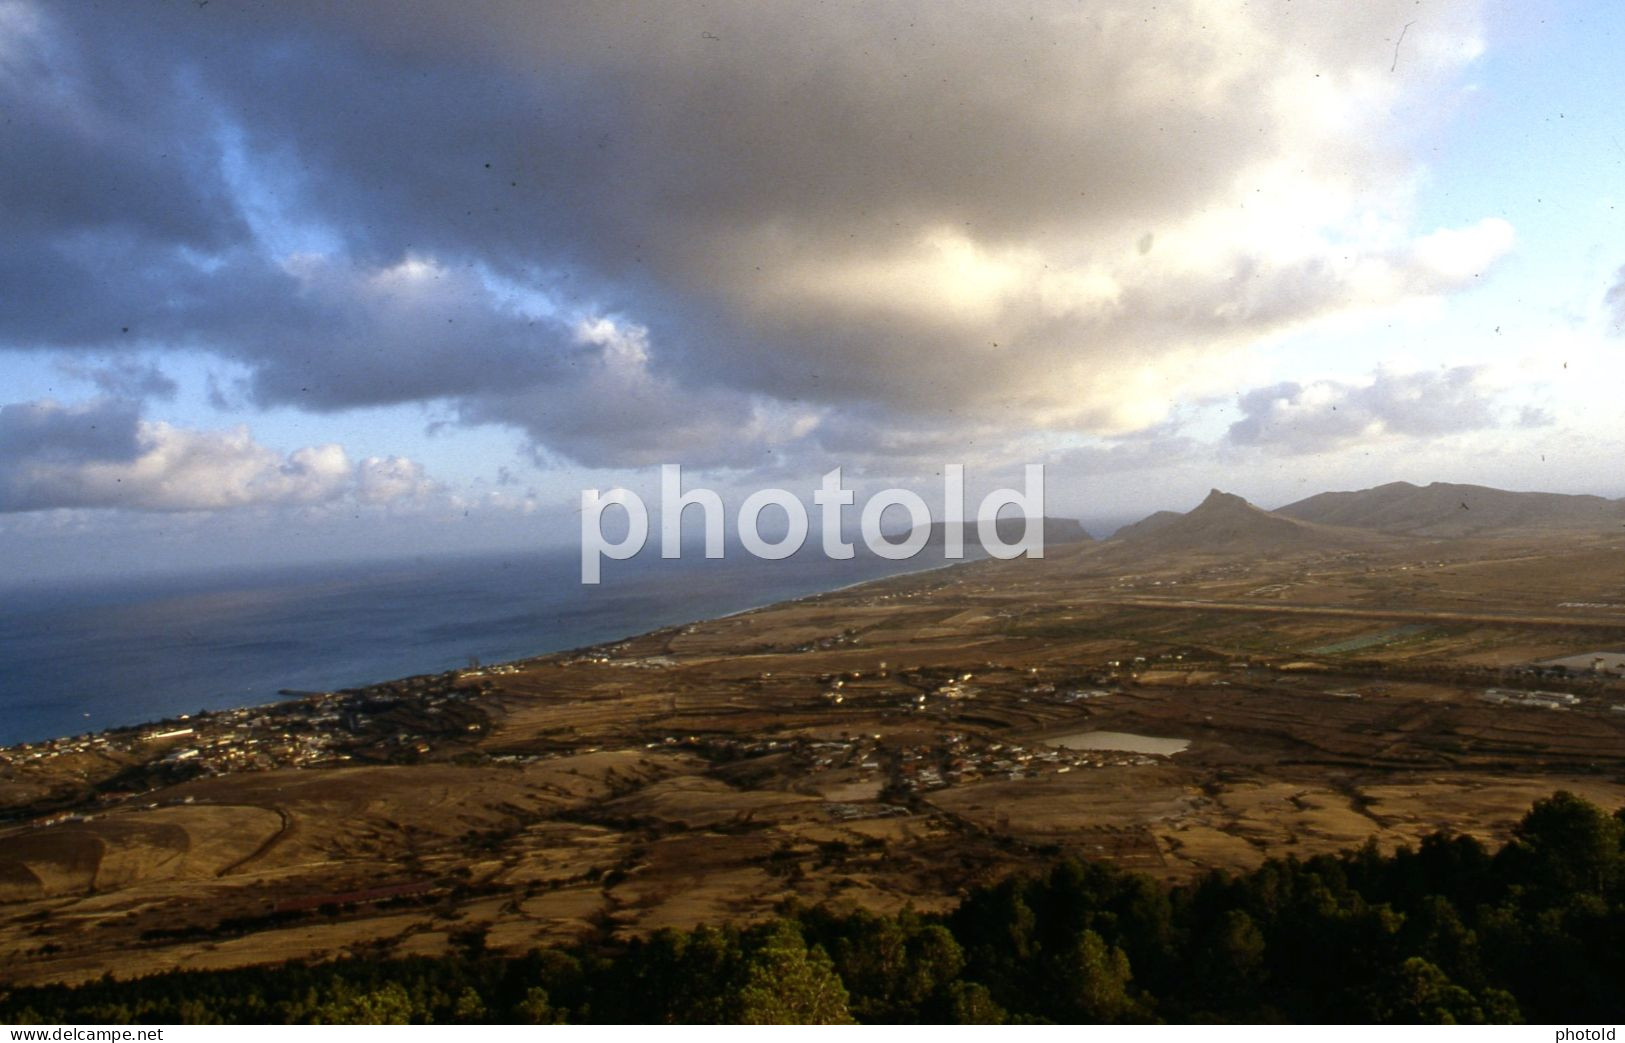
(84,658)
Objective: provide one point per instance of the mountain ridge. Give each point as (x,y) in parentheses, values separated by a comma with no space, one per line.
(1451,509)
(1227,522)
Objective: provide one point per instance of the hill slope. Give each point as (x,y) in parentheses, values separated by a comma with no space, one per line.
(1227,523)
(1445,509)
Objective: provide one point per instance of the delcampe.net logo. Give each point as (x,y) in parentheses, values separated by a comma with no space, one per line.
(831,498)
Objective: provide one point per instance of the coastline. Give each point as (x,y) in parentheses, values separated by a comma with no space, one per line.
(294,692)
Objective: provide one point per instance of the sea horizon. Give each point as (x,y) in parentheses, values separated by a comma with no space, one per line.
(85,657)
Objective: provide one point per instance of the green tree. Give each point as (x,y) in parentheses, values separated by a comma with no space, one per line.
(386,1005)
(969,1003)
(470,1007)
(892,966)
(786,983)
(1423,994)
(1094,981)
(1227,962)
(1565,844)
(535,1008)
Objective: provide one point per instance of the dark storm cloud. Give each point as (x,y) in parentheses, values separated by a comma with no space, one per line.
(937,213)
(102,431)
(101,146)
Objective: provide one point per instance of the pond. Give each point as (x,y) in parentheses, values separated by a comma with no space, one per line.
(1124,742)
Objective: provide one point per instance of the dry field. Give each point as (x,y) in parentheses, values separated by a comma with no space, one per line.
(885,745)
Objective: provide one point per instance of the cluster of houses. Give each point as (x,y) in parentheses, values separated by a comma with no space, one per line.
(321,728)
(1585,664)
(34,752)
(914,768)
(820,754)
(846,637)
(1538,700)
(252,742)
(499,670)
(961,758)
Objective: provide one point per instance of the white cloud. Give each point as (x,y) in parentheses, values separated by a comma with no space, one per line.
(1326,415)
(1457,255)
(382,480)
(102,454)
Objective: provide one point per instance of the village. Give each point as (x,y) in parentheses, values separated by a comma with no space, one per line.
(403,721)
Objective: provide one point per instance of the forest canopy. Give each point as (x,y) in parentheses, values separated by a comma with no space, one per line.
(1447,932)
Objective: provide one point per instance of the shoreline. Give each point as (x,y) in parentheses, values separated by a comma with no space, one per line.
(287,696)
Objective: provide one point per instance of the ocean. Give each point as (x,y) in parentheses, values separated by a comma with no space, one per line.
(82,658)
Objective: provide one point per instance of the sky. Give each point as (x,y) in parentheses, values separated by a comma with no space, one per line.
(301,281)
